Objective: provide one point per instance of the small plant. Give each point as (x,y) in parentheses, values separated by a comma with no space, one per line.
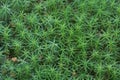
(17,46)
(5,11)
(32,19)
(33,43)
(5,33)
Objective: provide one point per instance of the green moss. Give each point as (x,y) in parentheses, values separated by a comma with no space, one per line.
(59,39)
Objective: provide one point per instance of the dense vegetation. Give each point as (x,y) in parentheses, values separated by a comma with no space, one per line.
(59,39)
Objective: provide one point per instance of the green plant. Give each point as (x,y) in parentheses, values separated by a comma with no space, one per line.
(5,11)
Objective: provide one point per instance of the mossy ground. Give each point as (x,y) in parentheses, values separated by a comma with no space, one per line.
(59,40)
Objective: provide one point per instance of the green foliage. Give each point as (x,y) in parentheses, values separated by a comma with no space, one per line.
(59,39)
